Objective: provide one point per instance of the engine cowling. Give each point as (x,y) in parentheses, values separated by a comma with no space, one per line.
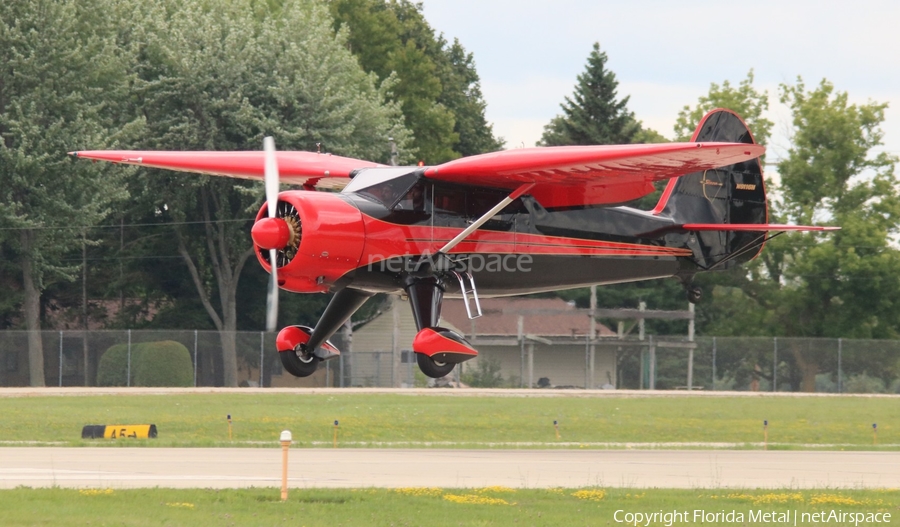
(318,238)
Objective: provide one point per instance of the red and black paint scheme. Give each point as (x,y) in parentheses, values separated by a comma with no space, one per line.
(506,223)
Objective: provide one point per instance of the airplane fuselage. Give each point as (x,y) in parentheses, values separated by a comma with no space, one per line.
(523,249)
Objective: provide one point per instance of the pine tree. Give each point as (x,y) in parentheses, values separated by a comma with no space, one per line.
(593,116)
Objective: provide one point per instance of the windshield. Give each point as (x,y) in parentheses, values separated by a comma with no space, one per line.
(385,185)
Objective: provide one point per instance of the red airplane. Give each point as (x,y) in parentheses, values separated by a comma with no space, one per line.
(506,223)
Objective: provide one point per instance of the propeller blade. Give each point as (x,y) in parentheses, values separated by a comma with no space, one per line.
(272,301)
(271,176)
(272,184)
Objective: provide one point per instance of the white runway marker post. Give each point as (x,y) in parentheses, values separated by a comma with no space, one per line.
(285,444)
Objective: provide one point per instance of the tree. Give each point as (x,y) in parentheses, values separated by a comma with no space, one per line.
(462,96)
(220,77)
(436,84)
(745,100)
(812,285)
(594,115)
(842,284)
(61,80)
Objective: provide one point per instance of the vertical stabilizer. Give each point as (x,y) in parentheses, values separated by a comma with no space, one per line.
(731,194)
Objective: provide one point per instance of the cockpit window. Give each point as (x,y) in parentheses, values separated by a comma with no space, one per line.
(385,185)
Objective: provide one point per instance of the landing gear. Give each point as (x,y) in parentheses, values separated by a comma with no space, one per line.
(299,363)
(301,348)
(694,294)
(432,368)
(437,349)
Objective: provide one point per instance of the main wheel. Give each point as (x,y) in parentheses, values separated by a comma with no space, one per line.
(433,368)
(299,364)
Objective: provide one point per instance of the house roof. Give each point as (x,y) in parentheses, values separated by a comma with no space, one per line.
(546,317)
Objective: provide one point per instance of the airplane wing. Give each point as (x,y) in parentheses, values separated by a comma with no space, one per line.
(299,168)
(570,176)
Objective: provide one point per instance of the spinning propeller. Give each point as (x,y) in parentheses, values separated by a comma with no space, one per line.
(272,233)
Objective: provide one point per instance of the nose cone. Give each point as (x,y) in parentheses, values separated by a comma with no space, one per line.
(271,233)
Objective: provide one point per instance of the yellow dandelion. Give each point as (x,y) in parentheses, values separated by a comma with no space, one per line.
(592,495)
(494,489)
(95,492)
(474,499)
(181,505)
(833,499)
(430,492)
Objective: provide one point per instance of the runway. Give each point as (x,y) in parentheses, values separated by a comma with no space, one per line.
(360,468)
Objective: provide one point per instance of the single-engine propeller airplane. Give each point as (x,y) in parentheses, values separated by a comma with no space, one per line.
(506,223)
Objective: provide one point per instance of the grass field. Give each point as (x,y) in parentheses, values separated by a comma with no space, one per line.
(397,420)
(423,506)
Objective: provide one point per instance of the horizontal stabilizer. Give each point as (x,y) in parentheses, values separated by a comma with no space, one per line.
(753,227)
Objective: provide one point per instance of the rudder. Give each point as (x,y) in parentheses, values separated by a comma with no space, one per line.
(733,194)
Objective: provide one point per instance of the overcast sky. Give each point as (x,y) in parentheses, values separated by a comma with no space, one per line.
(665,54)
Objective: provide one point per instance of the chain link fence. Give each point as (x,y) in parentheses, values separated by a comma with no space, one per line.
(75,358)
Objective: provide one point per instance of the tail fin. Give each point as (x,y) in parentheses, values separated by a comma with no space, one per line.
(733,194)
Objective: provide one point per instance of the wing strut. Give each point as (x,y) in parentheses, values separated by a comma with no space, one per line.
(523,188)
(445,250)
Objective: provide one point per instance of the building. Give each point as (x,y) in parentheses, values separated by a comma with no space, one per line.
(536,341)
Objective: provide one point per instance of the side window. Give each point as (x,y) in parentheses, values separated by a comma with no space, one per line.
(449,200)
(456,205)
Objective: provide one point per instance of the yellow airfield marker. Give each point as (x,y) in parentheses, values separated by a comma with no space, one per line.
(556,427)
(229,427)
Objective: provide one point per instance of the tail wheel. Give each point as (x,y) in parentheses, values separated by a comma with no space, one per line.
(694,294)
(433,368)
(298,363)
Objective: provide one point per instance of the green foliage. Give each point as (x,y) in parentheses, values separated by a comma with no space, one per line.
(863,383)
(486,374)
(844,283)
(61,87)
(112,370)
(594,115)
(745,100)
(164,363)
(435,83)
(221,77)
(63,80)
(840,284)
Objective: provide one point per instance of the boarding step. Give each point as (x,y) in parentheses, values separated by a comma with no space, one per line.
(468,290)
